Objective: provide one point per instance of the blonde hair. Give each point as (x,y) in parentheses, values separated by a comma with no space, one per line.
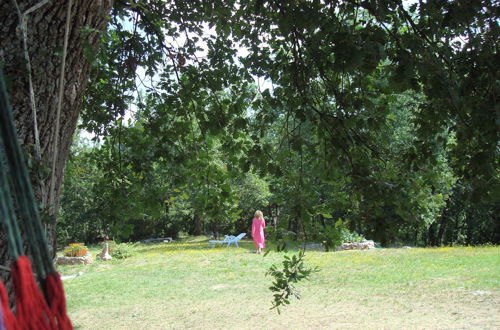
(259,214)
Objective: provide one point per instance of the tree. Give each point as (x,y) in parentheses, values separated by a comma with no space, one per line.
(36,117)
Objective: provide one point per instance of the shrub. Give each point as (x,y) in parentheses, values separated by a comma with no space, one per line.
(75,250)
(122,250)
(350,236)
(336,234)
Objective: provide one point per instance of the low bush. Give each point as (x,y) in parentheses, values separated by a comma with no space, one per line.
(75,250)
(336,234)
(121,250)
(347,236)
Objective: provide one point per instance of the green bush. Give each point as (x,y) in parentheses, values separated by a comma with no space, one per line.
(122,250)
(335,234)
(347,236)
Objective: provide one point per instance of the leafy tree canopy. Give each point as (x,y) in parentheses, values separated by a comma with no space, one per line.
(324,64)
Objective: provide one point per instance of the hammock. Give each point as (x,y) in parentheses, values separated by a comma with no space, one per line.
(36,307)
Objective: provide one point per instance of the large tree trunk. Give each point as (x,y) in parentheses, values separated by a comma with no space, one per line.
(45,30)
(197,225)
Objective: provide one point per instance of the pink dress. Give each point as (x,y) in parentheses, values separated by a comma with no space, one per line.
(258,226)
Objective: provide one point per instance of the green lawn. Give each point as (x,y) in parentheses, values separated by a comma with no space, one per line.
(190,285)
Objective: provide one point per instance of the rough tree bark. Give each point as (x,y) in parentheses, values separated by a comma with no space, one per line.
(197,225)
(45,30)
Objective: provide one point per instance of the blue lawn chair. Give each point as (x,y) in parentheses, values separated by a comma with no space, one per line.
(229,239)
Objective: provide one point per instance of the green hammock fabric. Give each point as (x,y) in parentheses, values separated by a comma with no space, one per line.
(16,190)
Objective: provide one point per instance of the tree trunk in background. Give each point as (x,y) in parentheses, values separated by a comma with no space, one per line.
(215,229)
(432,235)
(45,28)
(293,225)
(442,227)
(197,225)
(270,211)
(274,212)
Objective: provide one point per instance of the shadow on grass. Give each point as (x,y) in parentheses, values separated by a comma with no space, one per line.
(203,244)
(183,246)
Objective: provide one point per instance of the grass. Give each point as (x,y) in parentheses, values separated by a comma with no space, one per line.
(190,285)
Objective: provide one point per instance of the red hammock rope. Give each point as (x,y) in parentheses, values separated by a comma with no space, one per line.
(55,293)
(32,309)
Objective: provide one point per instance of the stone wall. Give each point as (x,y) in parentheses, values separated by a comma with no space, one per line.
(63,260)
(366,245)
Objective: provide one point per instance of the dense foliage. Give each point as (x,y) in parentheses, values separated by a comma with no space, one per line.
(382,114)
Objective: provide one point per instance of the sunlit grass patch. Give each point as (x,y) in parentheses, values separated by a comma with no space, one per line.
(189,284)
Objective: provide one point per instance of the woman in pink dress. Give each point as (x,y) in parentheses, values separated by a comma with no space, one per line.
(258,225)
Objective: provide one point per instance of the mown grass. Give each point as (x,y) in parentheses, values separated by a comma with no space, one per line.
(190,285)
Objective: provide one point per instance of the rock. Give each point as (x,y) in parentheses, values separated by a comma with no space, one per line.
(366,245)
(85,260)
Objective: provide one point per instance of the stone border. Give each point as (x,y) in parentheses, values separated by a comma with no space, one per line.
(366,245)
(85,260)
